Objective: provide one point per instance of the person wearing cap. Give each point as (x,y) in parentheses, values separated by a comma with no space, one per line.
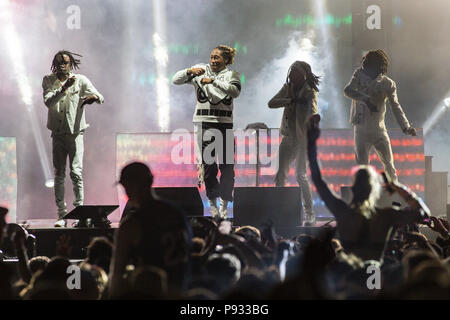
(216,87)
(153,232)
(298,97)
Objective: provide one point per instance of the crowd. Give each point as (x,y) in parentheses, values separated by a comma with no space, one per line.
(158,253)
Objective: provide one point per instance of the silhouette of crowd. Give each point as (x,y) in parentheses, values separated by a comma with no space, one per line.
(158,253)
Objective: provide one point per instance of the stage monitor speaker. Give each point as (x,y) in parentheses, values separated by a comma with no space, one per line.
(256,205)
(187,198)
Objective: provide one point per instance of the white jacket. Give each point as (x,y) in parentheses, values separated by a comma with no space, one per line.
(377,91)
(65,106)
(296,113)
(215,100)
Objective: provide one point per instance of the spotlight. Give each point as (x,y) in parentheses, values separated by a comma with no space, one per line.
(435,116)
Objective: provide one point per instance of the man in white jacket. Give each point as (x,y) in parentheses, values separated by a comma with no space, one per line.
(298,97)
(369,88)
(65,95)
(215,86)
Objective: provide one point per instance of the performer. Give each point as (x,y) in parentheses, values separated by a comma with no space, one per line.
(369,88)
(65,95)
(298,96)
(215,86)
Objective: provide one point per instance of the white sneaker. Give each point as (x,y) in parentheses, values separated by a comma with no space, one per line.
(223,211)
(60,223)
(214,209)
(310,220)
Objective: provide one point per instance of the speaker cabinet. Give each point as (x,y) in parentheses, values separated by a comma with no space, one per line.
(257,205)
(187,198)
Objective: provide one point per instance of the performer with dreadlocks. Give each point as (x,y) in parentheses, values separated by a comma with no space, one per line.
(216,86)
(298,96)
(369,88)
(65,95)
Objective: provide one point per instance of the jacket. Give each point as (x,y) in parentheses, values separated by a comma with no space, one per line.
(66,106)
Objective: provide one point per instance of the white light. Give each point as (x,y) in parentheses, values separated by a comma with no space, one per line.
(329,67)
(14,47)
(447,102)
(161,56)
(306,44)
(50,183)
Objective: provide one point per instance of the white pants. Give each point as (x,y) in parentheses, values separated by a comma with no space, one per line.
(292,148)
(67,145)
(378,139)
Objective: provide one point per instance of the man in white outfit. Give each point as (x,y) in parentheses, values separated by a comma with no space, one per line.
(298,97)
(369,89)
(65,95)
(216,86)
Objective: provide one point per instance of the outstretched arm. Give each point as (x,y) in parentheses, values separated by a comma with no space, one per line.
(186,75)
(334,204)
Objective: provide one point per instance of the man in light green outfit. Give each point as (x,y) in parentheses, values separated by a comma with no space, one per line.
(65,95)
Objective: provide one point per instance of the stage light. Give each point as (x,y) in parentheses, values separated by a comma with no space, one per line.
(14,47)
(329,65)
(161,58)
(447,102)
(435,116)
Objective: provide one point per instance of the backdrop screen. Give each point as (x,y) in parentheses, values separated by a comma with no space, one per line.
(164,152)
(8,176)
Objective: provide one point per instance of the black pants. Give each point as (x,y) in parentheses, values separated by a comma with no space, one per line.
(215,156)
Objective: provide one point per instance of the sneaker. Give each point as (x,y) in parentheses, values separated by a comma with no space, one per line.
(223,211)
(60,223)
(214,209)
(310,220)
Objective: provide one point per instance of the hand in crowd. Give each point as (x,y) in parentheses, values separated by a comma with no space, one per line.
(439,225)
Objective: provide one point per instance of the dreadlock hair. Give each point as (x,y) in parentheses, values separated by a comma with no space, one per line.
(227,52)
(376,60)
(74,62)
(311,78)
